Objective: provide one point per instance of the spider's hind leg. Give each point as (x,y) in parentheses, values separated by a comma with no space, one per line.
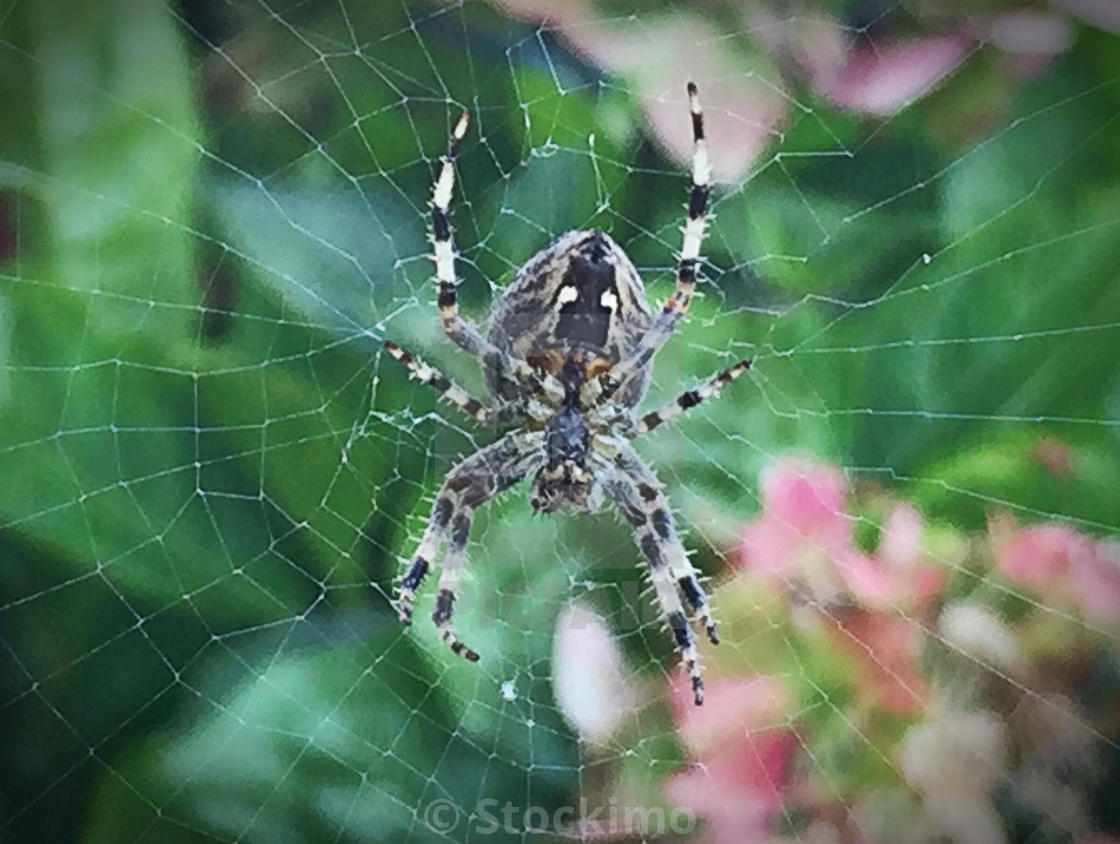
(453,563)
(425,554)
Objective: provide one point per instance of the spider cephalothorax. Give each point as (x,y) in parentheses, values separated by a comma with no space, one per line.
(565,478)
(567,355)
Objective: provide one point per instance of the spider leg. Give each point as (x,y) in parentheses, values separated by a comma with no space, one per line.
(472,482)
(453,562)
(676,306)
(636,493)
(463,333)
(429,546)
(446,388)
(458,329)
(691,398)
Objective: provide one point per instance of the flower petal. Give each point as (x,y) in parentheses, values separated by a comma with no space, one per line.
(588,674)
(733,709)
(886,78)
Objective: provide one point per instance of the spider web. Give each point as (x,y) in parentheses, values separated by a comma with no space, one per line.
(212,215)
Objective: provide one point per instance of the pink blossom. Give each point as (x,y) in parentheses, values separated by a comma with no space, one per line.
(882,80)
(743,751)
(738,792)
(732,708)
(1096,577)
(885,648)
(855,73)
(884,75)
(802,528)
(809,498)
(1061,564)
(1037,556)
(804,534)
(900,574)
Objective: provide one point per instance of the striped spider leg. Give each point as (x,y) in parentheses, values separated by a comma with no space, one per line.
(618,417)
(690,398)
(636,493)
(638,496)
(673,311)
(425,373)
(517,372)
(447,389)
(472,482)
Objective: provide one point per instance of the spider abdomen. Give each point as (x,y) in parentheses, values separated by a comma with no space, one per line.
(581,294)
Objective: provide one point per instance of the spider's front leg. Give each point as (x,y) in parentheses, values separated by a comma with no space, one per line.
(472,482)
(637,495)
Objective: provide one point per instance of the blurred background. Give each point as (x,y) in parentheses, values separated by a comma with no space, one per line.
(213,213)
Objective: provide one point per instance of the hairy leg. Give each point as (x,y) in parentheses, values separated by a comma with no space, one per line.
(472,482)
(637,494)
(691,398)
(463,333)
(447,389)
(676,306)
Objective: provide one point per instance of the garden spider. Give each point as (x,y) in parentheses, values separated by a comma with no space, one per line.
(567,356)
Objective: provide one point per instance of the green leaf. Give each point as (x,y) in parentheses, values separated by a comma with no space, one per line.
(346,738)
(99,428)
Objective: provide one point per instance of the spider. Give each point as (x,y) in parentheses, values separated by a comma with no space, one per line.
(567,357)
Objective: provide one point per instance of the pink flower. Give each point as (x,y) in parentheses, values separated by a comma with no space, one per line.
(808,498)
(853,72)
(1096,578)
(803,526)
(885,648)
(732,708)
(880,81)
(1063,565)
(900,574)
(1037,556)
(744,752)
(884,75)
(739,791)
(804,536)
